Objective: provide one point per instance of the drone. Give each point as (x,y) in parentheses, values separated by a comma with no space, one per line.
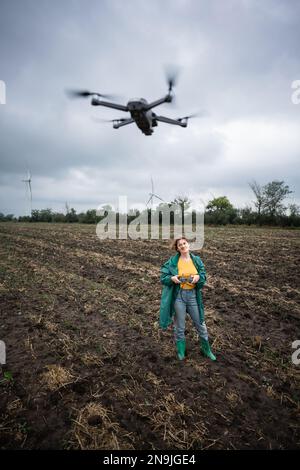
(140,110)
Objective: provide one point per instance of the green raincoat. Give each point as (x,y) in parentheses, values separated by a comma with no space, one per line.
(170,289)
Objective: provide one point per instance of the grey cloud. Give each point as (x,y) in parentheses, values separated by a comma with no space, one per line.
(238,61)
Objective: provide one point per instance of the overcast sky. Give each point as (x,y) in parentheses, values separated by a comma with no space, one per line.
(237,58)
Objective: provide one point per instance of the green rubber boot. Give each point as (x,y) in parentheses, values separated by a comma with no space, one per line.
(180,349)
(206,351)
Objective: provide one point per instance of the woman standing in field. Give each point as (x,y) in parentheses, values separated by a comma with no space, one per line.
(183,277)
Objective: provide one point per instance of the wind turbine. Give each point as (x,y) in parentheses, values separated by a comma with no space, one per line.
(28,181)
(152,194)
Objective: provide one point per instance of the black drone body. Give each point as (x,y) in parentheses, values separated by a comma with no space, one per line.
(140,110)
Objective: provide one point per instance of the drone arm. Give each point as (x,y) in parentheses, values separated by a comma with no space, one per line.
(165,99)
(167,120)
(97,102)
(124,122)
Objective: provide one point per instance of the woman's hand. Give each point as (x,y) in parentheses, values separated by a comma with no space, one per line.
(175,279)
(196,278)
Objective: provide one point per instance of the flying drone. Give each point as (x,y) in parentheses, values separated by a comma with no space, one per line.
(140,110)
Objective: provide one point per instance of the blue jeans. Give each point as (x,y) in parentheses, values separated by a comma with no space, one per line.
(186,302)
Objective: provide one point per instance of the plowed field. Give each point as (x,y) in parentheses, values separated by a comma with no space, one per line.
(88,368)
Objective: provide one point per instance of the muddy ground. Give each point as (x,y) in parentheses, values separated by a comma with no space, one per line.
(88,368)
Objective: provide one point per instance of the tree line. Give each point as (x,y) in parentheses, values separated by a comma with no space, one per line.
(269,209)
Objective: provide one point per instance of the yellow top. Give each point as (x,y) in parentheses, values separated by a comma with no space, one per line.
(186,269)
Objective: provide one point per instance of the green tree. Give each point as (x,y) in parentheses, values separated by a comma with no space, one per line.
(221,203)
(183,203)
(58,217)
(294,217)
(7,217)
(90,216)
(260,198)
(294,209)
(71,215)
(43,215)
(220,211)
(274,194)
(247,216)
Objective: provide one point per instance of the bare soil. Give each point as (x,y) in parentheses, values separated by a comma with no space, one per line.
(88,368)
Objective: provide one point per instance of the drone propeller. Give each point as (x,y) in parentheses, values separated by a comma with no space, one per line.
(172,73)
(171,83)
(86,94)
(189,117)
